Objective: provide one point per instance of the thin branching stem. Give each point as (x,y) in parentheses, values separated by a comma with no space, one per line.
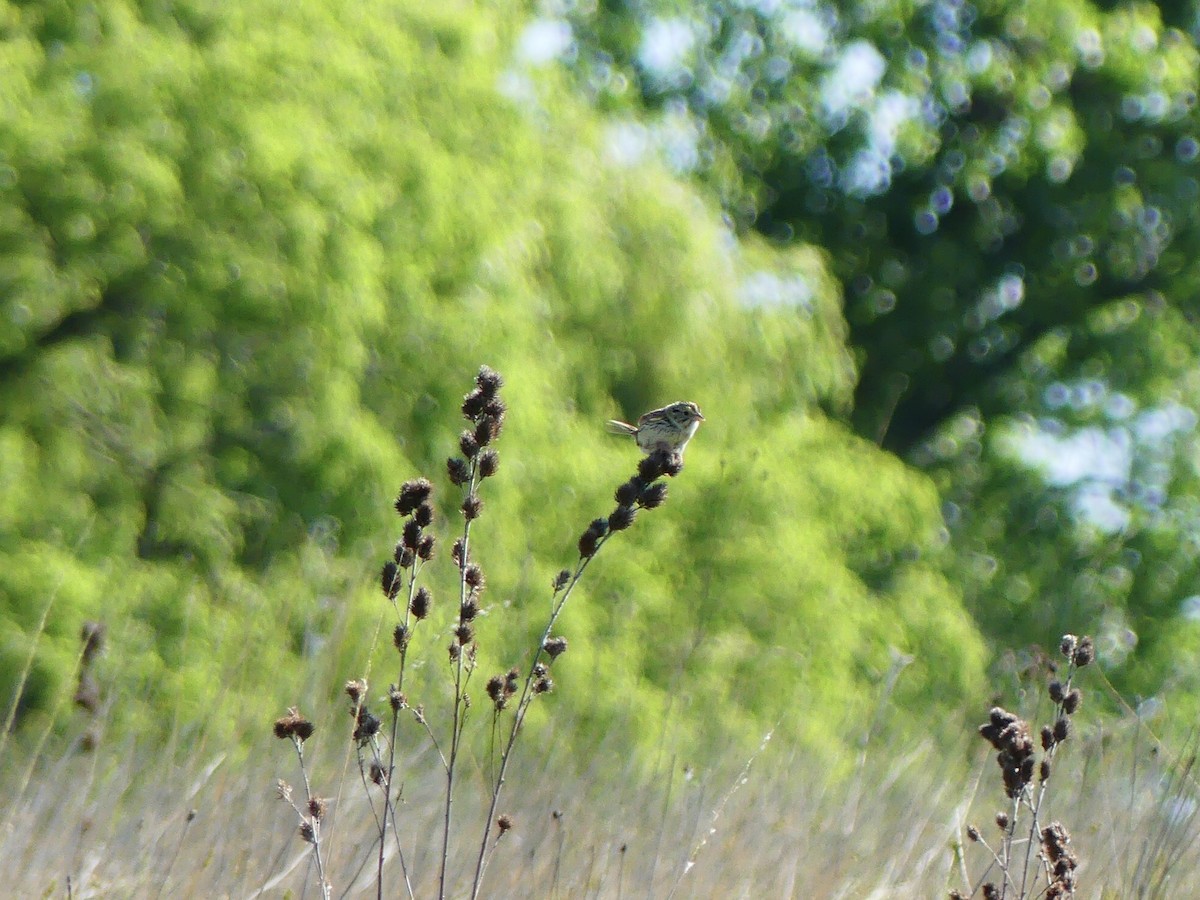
(522,707)
(458,719)
(389,801)
(996,861)
(1036,807)
(424,723)
(1009,835)
(362,774)
(740,780)
(313,821)
(187,824)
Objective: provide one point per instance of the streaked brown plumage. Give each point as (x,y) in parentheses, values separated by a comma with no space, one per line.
(667,429)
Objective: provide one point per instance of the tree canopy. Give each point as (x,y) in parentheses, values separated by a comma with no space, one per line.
(1007,192)
(252,256)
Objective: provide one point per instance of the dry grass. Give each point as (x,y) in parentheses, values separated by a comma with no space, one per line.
(120,823)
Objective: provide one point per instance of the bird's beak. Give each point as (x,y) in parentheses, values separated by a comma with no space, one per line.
(700,414)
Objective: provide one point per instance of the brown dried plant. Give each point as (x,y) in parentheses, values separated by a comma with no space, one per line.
(510,695)
(1025,779)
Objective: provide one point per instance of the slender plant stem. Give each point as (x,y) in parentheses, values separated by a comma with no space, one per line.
(389,803)
(187,823)
(1035,823)
(315,822)
(740,780)
(459,713)
(391,810)
(362,774)
(519,717)
(1006,863)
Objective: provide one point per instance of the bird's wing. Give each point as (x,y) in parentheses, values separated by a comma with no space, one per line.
(618,427)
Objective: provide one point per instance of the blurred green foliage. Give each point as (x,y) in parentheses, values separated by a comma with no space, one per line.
(1007,190)
(251,257)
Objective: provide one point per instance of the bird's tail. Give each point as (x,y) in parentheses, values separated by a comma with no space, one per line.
(617,427)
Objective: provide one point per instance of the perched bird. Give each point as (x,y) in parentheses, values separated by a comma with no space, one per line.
(667,429)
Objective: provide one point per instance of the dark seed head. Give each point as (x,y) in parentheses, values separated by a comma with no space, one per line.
(425,548)
(294,725)
(489,381)
(1085,653)
(1047,737)
(367,726)
(457,469)
(423,515)
(652,466)
(653,495)
(472,404)
(555,647)
(412,534)
(472,507)
(473,576)
(1062,729)
(464,633)
(1071,701)
(658,463)
(621,518)
(412,494)
(588,543)
(495,688)
(356,690)
(495,409)
(999,721)
(485,430)
(400,637)
(1026,774)
(468,445)
(389,580)
(420,603)
(1056,841)
(627,493)
(489,462)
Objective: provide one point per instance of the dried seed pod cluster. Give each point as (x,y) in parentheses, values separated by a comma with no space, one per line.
(1016,754)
